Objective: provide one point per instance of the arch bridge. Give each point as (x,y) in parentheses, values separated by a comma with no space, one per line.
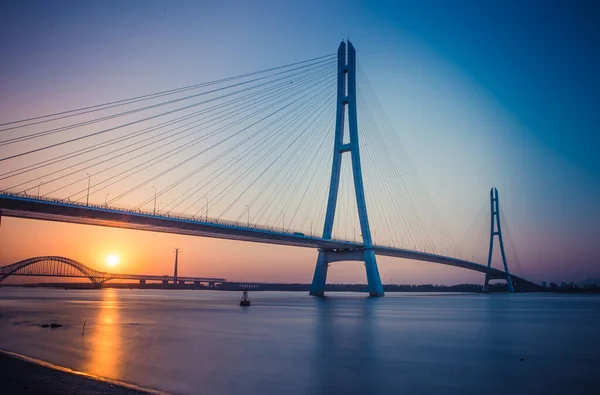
(58,266)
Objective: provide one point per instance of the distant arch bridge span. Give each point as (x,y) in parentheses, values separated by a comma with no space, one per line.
(58,266)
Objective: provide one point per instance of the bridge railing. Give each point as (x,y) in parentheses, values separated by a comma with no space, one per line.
(178,216)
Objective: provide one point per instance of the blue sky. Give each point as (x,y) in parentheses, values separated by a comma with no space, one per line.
(482,94)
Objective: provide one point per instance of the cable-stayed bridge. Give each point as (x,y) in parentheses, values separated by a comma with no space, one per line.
(246,158)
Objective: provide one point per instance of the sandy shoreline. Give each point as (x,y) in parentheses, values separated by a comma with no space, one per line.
(25,375)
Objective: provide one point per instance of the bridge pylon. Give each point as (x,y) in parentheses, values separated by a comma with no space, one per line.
(175,269)
(346,100)
(496,230)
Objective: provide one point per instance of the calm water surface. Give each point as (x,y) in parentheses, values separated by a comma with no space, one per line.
(189,342)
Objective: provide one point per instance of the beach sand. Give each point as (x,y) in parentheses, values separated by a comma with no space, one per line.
(23,375)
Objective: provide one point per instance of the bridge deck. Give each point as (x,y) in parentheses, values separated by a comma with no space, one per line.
(55,210)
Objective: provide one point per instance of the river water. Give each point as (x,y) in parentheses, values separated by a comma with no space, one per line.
(189,342)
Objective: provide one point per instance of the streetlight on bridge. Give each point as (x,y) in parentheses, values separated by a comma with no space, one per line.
(206,197)
(87,199)
(154,212)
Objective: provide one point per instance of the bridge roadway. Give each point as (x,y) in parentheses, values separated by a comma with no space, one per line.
(20,206)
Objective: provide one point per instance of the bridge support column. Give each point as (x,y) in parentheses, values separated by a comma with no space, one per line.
(496,230)
(320,277)
(346,100)
(362,255)
(142,281)
(373,277)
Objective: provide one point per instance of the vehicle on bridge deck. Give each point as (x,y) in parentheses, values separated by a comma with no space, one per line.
(245,301)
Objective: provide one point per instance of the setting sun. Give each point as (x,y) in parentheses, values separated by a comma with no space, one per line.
(112,260)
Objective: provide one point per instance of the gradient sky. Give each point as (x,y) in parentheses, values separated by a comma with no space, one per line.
(481,95)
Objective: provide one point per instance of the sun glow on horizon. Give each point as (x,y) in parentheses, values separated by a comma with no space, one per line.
(112,260)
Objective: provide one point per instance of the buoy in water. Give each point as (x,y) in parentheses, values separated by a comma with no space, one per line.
(245,301)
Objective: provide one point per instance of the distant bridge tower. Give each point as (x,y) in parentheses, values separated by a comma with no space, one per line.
(496,230)
(346,98)
(175,271)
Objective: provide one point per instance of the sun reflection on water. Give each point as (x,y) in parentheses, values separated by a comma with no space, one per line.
(105,354)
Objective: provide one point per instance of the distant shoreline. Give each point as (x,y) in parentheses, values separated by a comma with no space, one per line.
(26,375)
(285,287)
(297,287)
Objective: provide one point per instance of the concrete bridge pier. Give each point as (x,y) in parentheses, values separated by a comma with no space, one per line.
(366,255)
(317,287)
